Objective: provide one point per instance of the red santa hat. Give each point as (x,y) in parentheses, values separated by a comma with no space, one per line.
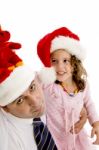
(61,38)
(15,76)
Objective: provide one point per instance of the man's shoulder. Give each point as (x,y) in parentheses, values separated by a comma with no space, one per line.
(0,114)
(3,124)
(2,119)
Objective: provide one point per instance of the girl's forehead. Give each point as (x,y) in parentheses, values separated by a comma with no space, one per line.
(61,52)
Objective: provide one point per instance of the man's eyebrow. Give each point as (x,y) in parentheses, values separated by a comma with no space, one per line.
(22,95)
(32,82)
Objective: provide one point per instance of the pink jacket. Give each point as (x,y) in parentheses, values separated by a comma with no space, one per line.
(63,111)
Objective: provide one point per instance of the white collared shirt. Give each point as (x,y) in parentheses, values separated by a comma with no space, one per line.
(16,133)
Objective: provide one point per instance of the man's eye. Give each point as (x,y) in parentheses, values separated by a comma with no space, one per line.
(32,87)
(19,101)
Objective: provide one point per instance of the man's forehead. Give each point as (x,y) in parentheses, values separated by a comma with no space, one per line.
(33,81)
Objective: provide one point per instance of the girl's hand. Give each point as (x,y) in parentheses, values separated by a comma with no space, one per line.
(95,131)
(79,125)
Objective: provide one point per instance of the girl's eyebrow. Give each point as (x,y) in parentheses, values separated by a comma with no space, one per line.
(63,58)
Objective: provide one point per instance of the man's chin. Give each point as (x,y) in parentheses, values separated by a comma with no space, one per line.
(40,113)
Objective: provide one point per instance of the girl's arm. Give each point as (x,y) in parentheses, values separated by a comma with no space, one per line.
(92,114)
(90,106)
(95,131)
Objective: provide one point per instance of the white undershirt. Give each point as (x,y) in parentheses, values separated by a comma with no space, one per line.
(16,133)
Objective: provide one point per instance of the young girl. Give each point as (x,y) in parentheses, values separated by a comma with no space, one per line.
(66,97)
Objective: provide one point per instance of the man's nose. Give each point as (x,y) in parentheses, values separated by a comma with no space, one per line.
(32,98)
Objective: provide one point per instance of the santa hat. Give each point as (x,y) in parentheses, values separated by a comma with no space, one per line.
(61,38)
(15,76)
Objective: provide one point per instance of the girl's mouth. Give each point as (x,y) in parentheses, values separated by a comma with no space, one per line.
(61,73)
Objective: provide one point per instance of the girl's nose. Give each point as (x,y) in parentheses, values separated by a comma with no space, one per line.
(60,65)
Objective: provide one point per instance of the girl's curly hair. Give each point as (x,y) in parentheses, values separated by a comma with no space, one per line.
(79,73)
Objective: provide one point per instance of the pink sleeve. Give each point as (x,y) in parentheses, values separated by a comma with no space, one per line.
(92,114)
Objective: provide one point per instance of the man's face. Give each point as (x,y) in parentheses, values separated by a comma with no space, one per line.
(30,104)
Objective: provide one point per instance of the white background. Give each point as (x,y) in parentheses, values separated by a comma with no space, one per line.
(29,20)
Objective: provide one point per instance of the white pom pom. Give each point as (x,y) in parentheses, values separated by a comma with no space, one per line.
(47,75)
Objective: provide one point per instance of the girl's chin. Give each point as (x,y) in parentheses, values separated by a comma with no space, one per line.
(61,79)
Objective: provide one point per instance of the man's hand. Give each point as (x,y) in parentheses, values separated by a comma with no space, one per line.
(79,125)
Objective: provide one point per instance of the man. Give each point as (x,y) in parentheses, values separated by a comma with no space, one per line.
(21,101)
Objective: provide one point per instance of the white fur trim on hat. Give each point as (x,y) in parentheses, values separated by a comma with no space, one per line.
(70,45)
(18,81)
(47,75)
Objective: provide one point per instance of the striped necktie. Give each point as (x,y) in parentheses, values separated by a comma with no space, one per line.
(42,136)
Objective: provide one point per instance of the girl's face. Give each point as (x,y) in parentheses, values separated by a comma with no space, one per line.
(61,61)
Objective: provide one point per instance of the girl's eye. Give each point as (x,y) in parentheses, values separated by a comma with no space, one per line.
(53,60)
(66,61)
(20,100)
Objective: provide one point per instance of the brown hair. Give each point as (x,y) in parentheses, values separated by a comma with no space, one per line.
(79,73)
